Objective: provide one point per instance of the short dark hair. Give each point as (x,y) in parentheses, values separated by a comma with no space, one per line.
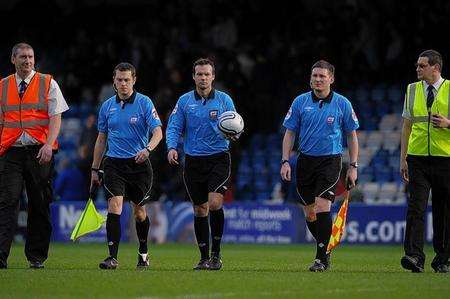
(203,61)
(123,67)
(434,57)
(18,46)
(324,65)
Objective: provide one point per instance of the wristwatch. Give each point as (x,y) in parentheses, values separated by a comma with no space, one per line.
(354,164)
(284,161)
(148,150)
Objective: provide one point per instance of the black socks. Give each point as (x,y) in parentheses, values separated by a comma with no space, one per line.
(201,228)
(142,229)
(113,233)
(216,221)
(324,226)
(312,226)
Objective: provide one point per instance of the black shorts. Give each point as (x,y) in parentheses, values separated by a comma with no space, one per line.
(124,177)
(317,177)
(205,174)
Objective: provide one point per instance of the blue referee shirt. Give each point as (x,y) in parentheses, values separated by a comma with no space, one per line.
(127,126)
(196,118)
(321,123)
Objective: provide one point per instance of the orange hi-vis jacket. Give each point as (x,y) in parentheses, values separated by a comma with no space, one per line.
(29,114)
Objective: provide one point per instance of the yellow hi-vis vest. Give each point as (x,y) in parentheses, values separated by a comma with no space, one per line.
(425,140)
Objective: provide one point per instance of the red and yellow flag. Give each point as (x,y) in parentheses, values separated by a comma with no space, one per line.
(339,224)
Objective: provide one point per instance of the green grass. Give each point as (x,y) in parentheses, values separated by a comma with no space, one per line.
(250,271)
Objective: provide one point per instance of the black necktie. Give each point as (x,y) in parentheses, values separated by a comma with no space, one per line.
(22,88)
(430,96)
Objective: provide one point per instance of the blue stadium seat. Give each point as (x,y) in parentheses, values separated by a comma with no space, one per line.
(72,112)
(243,182)
(262,196)
(261,183)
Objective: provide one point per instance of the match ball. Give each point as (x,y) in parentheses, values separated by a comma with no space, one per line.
(230,123)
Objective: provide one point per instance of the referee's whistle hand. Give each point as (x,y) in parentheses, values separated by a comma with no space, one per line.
(172,157)
(285,172)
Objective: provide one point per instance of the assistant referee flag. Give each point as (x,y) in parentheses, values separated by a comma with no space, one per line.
(90,220)
(339,224)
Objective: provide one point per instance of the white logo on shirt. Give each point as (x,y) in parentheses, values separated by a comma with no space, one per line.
(309,108)
(175,109)
(133,120)
(289,113)
(355,118)
(155,114)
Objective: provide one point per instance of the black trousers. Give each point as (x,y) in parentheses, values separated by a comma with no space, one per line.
(425,174)
(18,167)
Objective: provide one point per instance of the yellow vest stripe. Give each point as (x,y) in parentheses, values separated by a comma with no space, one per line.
(411,97)
(26,124)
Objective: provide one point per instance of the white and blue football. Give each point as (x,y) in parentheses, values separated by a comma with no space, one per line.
(230,123)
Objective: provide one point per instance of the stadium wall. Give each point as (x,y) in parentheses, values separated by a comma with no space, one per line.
(245,223)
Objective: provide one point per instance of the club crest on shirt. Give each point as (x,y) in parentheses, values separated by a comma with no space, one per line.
(330,120)
(213,114)
(133,119)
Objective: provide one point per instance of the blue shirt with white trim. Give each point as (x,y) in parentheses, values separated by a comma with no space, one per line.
(196,119)
(321,123)
(127,124)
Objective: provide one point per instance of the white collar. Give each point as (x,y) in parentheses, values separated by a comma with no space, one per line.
(27,79)
(436,84)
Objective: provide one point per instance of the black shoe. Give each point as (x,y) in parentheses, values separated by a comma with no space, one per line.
(109,263)
(317,266)
(440,268)
(202,265)
(215,263)
(143,261)
(411,263)
(36,265)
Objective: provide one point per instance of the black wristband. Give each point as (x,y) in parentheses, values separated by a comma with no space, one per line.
(354,165)
(95,169)
(284,161)
(148,150)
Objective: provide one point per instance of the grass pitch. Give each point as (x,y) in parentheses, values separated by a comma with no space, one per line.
(250,271)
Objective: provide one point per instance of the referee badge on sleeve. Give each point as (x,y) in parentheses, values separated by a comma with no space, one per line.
(155,114)
(355,118)
(289,113)
(175,109)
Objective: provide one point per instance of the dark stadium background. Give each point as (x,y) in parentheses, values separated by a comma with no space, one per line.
(263,53)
